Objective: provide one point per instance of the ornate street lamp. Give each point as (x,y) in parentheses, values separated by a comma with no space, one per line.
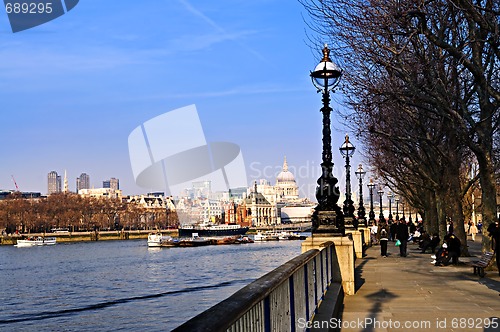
(371,215)
(327,216)
(397,207)
(360,174)
(403,204)
(347,150)
(390,196)
(381,215)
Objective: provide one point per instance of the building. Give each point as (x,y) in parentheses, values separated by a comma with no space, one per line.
(112,183)
(82,182)
(54,183)
(259,211)
(101,193)
(286,187)
(28,195)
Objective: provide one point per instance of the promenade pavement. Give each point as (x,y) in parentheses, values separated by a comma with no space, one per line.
(410,294)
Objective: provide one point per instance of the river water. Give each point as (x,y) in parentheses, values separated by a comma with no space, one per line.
(124,285)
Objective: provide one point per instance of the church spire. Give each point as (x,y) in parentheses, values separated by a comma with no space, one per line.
(285,166)
(65,182)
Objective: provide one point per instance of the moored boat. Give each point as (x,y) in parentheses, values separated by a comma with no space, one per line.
(212,230)
(266,236)
(36,241)
(194,241)
(291,236)
(160,240)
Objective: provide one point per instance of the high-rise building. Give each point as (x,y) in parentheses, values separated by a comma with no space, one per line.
(83,182)
(53,183)
(112,183)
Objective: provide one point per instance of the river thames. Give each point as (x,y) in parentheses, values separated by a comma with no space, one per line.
(124,285)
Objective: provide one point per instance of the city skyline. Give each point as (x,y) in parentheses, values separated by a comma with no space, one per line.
(73,89)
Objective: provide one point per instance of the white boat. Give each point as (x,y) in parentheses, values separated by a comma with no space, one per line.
(285,235)
(36,241)
(158,240)
(266,236)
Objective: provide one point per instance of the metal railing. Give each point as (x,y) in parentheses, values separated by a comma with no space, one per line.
(281,300)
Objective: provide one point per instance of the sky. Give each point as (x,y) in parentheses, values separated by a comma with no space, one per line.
(72,90)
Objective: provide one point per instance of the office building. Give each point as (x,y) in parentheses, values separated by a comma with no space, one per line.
(83,182)
(54,184)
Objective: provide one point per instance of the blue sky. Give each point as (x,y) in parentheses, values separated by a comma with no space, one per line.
(73,89)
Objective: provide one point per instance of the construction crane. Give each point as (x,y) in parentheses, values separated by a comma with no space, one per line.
(17,188)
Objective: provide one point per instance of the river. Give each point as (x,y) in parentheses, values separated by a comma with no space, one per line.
(124,285)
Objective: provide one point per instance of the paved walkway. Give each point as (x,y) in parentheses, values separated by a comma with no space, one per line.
(411,294)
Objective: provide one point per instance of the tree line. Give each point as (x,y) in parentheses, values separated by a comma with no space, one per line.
(421,83)
(76,213)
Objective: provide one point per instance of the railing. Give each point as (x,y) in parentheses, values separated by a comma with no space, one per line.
(282,300)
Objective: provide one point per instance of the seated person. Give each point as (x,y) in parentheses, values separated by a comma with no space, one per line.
(442,256)
(416,236)
(424,239)
(431,243)
(435,241)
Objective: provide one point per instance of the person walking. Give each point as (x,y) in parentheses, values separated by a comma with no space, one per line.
(383,238)
(473,231)
(402,235)
(373,233)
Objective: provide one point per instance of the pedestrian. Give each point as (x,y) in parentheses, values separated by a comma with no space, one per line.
(454,248)
(473,231)
(373,232)
(494,232)
(402,235)
(383,237)
(392,228)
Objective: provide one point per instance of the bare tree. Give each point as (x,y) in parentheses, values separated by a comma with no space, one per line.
(437,59)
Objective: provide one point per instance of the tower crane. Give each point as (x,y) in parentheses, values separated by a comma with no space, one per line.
(17,188)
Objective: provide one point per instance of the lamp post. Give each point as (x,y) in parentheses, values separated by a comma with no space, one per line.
(397,207)
(347,150)
(403,204)
(327,216)
(371,215)
(381,215)
(360,174)
(390,196)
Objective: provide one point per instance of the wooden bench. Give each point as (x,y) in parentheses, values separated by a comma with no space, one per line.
(482,263)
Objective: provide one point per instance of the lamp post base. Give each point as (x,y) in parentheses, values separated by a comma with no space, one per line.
(328,222)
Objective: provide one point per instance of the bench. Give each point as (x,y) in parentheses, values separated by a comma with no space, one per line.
(483,262)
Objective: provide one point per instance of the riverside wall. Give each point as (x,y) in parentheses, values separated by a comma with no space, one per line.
(88,236)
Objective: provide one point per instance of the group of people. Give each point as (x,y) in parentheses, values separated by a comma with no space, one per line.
(398,232)
(448,252)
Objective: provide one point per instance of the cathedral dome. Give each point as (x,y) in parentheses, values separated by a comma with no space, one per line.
(285,175)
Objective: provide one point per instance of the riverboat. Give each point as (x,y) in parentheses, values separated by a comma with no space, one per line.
(160,240)
(290,236)
(195,241)
(36,241)
(266,236)
(212,230)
